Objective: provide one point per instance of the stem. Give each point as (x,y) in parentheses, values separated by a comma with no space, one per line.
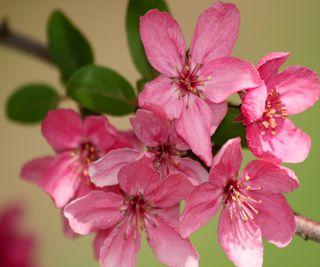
(307,228)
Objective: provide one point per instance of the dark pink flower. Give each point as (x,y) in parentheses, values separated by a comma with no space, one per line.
(143,202)
(253,205)
(16,247)
(163,145)
(192,89)
(265,109)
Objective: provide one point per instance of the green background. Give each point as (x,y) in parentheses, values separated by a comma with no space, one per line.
(273,25)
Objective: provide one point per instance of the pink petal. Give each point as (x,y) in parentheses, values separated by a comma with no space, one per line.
(172,189)
(275,219)
(226,162)
(201,206)
(289,144)
(104,171)
(299,88)
(194,126)
(215,34)
(162,92)
(62,129)
(121,247)
(219,111)
(240,241)
(98,241)
(139,177)
(127,139)
(271,178)
(225,76)
(33,170)
(97,210)
(169,247)
(67,231)
(253,104)
(150,128)
(163,42)
(269,65)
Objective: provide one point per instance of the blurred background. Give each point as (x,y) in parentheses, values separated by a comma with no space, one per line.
(273,25)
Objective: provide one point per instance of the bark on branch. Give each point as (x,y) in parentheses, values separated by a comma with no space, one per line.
(307,228)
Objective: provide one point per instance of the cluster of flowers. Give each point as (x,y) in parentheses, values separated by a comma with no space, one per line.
(118,184)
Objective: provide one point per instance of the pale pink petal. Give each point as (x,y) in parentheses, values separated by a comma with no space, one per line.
(169,247)
(150,128)
(269,65)
(96,210)
(240,241)
(127,139)
(104,171)
(139,177)
(215,34)
(275,218)
(225,76)
(226,162)
(219,111)
(98,241)
(194,126)
(253,104)
(299,88)
(269,177)
(177,140)
(121,247)
(67,231)
(163,92)
(62,129)
(33,170)
(172,189)
(201,206)
(163,42)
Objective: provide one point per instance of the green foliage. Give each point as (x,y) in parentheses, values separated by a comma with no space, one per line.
(30,103)
(102,90)
(68,47)
(137,8)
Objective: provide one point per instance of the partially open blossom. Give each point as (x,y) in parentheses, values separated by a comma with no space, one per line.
(16,247)
(252,205)
(270,134)
(143,202)
(164,146)
(192,88)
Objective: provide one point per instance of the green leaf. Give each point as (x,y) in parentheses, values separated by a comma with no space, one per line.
(229,129)
(136,9)
(140,84)
(30,103)
(102,90)
(68,47)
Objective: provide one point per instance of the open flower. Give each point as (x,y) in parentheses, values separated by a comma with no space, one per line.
(164,146)
(190,87)
(253,205)
(270,134)
(143,203)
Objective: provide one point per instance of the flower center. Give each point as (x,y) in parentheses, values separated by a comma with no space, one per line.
(274,110)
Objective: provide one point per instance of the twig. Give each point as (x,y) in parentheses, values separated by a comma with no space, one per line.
(307,228)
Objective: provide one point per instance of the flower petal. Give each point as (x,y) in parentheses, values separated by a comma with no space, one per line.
(33,170)
(127,139)
(219,111)
(67,231)
(97,210)
(162,92)
(169,247)
(202,204)
(270,177)
(163,42)
(98,241)
(240,241)
(62,129)
(215,34)
(299,88)
(225,76)
(104,172)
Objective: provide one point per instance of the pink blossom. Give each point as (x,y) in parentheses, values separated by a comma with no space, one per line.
(143,202)
(270,134)
(253,205)
(16,247)
(192,89)
(164,146)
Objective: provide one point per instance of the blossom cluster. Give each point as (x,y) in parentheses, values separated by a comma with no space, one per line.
(119,184)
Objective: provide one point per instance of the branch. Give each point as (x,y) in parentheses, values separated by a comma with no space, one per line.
(23,43)
(307,228)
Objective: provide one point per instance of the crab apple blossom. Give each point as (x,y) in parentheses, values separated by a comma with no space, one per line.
(252,205)
(164,146)
(143,202)
(270,134)
(190,86)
